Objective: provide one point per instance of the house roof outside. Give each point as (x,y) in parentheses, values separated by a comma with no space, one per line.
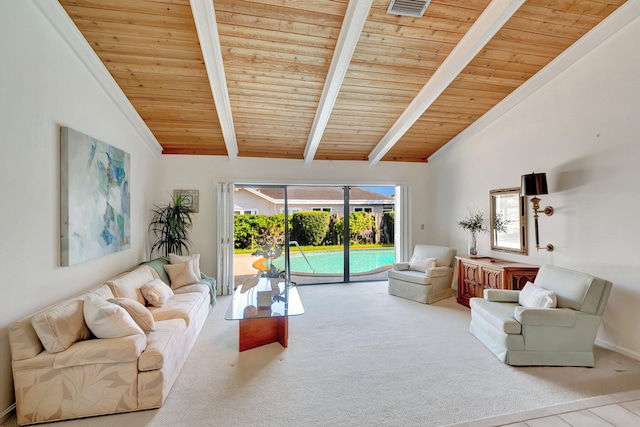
(324,195)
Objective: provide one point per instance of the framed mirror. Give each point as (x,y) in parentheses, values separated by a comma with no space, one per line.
(508,225)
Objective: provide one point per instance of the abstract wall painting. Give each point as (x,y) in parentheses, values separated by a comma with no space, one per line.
(94,198)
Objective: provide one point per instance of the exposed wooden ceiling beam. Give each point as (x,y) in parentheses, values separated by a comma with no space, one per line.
(487,25)
(356,16)
(207,28)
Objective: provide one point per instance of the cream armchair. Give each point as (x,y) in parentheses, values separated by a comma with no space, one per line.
(427,277)
(527,336)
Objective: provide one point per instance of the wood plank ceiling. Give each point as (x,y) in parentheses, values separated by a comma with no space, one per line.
(277,54)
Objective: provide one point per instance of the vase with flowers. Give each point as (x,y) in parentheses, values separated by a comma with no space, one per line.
(474,225)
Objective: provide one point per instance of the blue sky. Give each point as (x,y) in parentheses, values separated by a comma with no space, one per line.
(386,190)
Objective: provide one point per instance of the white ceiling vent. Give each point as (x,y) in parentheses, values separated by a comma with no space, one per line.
(408,7)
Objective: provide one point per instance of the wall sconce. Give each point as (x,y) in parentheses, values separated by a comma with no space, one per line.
(535,184)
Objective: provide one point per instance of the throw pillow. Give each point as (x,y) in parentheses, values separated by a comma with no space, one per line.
(421,264)
(533,296)
(156,292)
(138,312)
(181,274)
(128,284)
(60,326)
(179,259)
(107,320)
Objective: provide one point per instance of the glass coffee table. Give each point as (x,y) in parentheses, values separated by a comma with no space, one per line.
(263,311)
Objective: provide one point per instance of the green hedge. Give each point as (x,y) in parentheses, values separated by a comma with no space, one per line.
(251,231)
(309,228)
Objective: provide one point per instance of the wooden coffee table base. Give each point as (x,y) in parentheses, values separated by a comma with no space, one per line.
(257,332)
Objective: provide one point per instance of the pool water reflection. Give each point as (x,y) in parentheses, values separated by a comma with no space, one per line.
(331,262)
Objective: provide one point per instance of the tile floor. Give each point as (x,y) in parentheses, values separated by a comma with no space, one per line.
(614,410)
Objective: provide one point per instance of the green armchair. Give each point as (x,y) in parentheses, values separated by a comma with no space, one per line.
(528,336)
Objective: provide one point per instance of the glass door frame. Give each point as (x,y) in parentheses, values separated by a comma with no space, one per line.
(346,244)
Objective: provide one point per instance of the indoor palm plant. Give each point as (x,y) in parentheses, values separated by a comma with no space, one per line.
(170,225)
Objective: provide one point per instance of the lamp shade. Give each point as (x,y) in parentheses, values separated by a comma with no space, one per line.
(534,184)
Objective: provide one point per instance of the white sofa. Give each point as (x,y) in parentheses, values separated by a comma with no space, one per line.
(62,371)
(530,336)
(424,283)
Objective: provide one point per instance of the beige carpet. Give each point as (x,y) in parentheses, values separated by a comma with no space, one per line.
(360,357)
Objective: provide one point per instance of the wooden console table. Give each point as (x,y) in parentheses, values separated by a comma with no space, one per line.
(477,274)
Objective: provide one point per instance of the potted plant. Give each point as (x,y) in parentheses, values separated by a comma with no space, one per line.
(170,225)
(474,225)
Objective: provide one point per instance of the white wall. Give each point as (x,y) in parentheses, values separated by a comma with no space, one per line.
(203,173)
(44,86)
(582,129)
(244,200)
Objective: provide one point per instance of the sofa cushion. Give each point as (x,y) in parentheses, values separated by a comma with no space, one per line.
(128,285)
(156,266)
(103,291)
(162,344)
(180,259)
(99,351)
(181,274)
(421,264)
(500,315)
(180,306)
(24,340)
(196,287)
(61,325)
(410,276)
(107,320)
(445,256)
(156,292)
(536,297)
(138,312)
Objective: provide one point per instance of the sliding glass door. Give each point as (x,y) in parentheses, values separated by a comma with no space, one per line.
(317,234)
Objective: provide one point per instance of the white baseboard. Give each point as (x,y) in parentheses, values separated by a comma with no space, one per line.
(618,349)
(7,413)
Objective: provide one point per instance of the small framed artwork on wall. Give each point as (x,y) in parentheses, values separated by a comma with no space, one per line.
(190,199)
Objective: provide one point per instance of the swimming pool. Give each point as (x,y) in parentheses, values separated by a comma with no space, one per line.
(331,262)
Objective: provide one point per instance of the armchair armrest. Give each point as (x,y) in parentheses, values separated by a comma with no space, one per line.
(545,316)
(401,266)
(438,271)
(501,295)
